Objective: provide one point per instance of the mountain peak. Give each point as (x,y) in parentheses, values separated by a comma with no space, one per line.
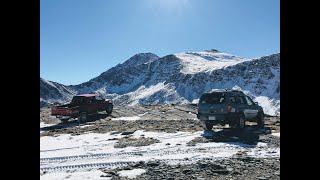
(141,58)
(148,54)
(212,51)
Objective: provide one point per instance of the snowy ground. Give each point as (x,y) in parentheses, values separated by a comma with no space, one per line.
(82,156)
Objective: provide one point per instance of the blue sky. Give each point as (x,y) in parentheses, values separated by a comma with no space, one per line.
(80,39)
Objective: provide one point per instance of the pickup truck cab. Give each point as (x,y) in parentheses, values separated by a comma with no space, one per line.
(81,106)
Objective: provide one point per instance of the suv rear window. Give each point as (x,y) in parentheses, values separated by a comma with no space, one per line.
(213,98)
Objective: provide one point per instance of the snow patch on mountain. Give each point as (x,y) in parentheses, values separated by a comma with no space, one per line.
(195,62)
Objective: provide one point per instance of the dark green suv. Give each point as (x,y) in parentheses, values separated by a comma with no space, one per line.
(228,107)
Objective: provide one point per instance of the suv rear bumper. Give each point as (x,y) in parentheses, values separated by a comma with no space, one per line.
(217,118)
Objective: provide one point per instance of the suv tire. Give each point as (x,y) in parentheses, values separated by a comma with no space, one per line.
(260,121)
(208,126)
(240,122)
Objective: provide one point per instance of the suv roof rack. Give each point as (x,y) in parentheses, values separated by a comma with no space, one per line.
(224,90)
(238,91)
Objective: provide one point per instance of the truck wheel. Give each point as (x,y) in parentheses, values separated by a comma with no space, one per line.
(260,121)
(109,109)
(82,118)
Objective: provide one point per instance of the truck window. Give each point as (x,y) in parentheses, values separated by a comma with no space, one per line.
(213,98)
(99,98)
(77,100)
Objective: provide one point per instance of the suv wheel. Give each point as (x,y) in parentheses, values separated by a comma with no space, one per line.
(82,118)
(240,123)
(208,126)
(260,121)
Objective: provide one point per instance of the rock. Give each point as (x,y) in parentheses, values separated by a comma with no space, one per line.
(220,171)
(153,163)
(229,169)
(203,164)
(236,172)
(129,131)
(186,171)
(176,171)
(127,168)
(261,178)
(107,171)
(167,144)
(277,173)
(106,175)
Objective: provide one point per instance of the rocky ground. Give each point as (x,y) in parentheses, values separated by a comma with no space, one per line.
(172,119)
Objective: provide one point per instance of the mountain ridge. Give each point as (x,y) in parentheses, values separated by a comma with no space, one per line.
(146,78)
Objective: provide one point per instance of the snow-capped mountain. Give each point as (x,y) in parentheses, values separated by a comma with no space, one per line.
(183,77)
(52,92)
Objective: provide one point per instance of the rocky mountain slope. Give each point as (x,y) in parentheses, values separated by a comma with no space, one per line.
(52,92)
(182,78)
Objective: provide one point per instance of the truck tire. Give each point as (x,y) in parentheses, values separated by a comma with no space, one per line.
(260,121)
(109,109)
(83,117)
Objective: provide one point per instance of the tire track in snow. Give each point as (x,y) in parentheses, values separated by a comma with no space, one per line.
(80,162)
(84,166)
(151,153)
(89,156)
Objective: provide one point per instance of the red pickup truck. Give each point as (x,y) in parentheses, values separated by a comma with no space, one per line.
(81,106)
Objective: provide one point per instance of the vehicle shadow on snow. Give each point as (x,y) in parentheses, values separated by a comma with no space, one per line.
(96,117)
(61,125)
(74,122)
(248,136)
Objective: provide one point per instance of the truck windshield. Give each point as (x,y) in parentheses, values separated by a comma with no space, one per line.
(213,98)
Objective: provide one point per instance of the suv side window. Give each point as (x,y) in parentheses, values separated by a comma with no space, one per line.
(232,99)
(249,101)
(240,100)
